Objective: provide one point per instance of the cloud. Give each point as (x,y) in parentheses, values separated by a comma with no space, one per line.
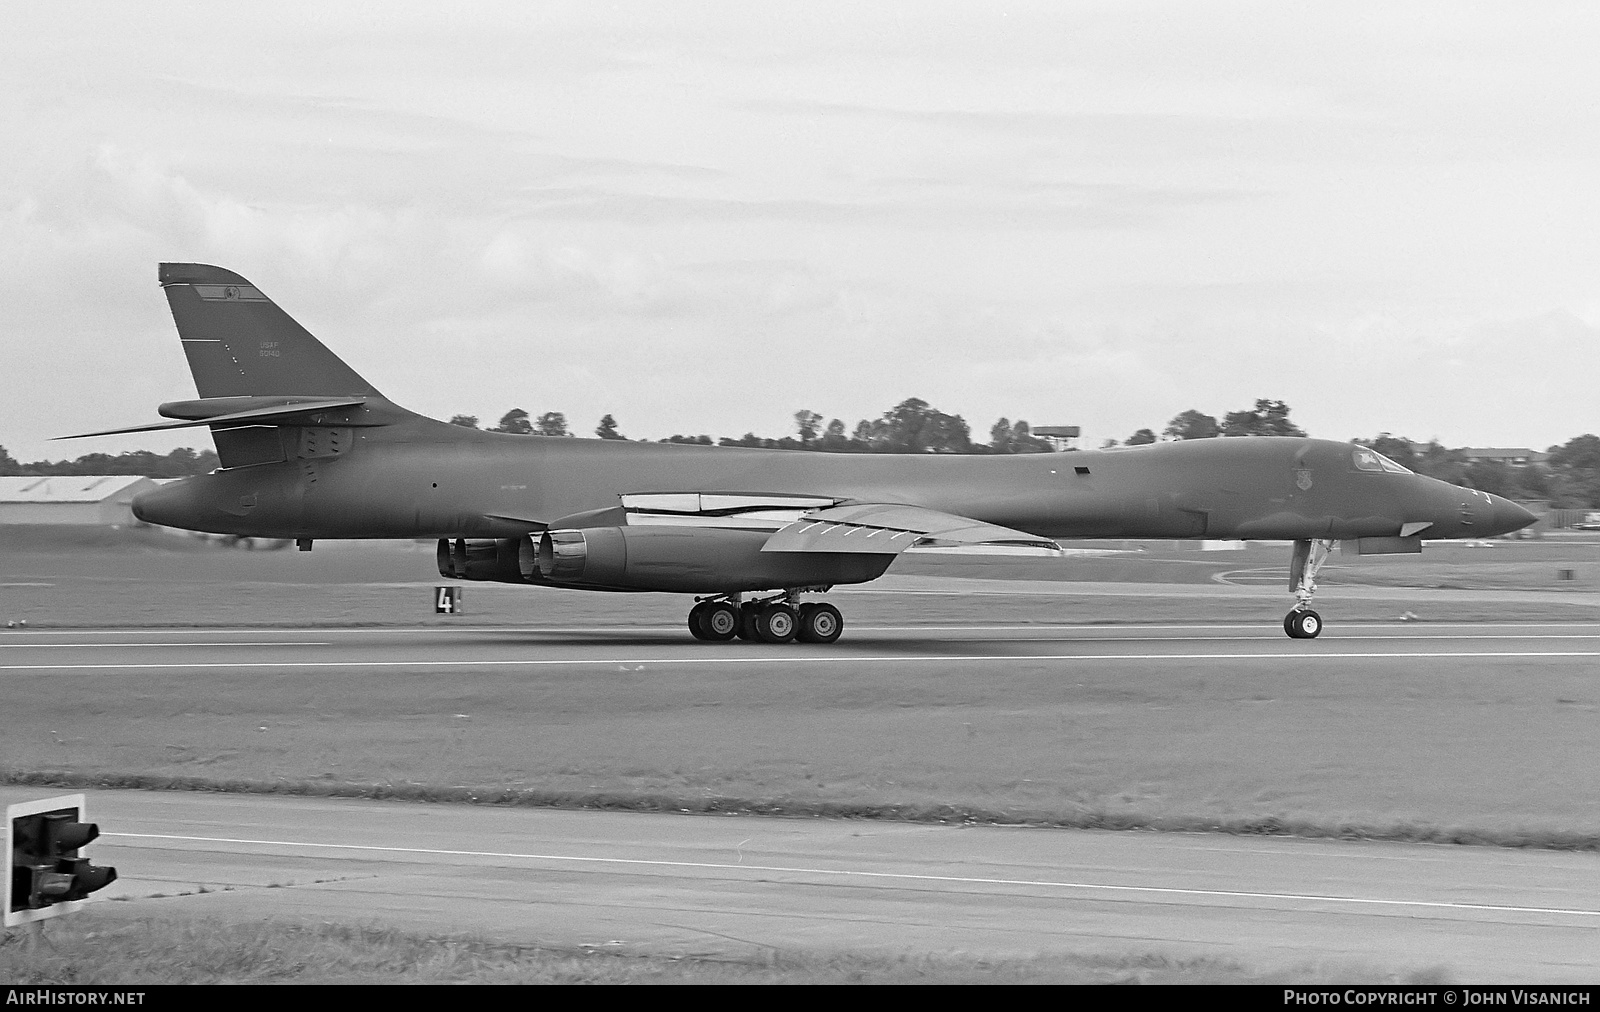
(705,218)
(930,205)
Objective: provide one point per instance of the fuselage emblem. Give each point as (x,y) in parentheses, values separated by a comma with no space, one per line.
(1302,478)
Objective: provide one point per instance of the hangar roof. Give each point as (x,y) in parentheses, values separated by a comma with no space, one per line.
(66,487)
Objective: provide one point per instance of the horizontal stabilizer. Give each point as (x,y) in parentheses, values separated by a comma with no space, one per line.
(889,529)
(297,413)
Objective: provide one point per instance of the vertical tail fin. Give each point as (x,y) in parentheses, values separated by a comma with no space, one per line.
(239,342)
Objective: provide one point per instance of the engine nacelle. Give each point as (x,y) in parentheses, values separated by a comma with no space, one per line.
(474,559)
(692,560)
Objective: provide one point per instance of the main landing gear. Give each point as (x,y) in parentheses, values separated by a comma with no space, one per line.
(773,620)
(1302,623)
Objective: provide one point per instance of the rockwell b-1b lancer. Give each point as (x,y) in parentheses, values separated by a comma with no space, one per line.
(311,450)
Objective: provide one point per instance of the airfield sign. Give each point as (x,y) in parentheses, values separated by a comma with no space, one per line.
(45,877)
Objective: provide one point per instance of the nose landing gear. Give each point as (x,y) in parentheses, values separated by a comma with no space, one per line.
(1302,623)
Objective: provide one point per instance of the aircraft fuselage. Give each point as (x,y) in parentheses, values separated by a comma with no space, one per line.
(419,478)
(311,450)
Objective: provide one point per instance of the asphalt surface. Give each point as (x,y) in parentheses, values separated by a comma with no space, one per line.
(737,886)
(1198,647)
(733,886)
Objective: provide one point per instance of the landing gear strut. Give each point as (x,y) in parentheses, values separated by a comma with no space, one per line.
(772,620)
(1302,623)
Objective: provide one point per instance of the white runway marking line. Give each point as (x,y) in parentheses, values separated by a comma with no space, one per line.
(469,630)
(884,875)
(1272,637)
(816,659)
(1264,637)
(176,643)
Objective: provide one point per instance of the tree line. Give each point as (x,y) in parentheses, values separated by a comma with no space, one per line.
(1267,418)
(915,426)
(180,463)
(912,426)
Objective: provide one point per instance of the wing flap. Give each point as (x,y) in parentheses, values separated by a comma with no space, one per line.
(891,528)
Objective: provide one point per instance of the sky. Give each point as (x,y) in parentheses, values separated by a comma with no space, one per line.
(702,218)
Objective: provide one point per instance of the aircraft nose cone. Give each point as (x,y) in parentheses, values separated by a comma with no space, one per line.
(1508,516)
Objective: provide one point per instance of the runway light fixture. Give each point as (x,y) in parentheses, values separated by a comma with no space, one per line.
(45,876)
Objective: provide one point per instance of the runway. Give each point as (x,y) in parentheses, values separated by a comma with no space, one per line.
(737,886)
(866,647)
(1453,725)
(1443,723)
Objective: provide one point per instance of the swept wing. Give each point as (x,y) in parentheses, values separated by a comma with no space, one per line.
(891,528)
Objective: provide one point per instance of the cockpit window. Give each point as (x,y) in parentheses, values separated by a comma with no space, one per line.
(1368,459)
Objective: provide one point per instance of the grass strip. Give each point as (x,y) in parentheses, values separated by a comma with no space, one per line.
(629,801)
(127,951)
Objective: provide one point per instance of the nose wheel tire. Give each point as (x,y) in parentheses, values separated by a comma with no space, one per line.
(1302,624)
(819,623)
(777,623)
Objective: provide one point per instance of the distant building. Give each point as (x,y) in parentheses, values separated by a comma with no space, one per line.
(1517,455)
(90,499)
(1514,455)
(1060,436)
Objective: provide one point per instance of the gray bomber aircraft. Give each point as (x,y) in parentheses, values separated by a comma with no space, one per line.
(310,450)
